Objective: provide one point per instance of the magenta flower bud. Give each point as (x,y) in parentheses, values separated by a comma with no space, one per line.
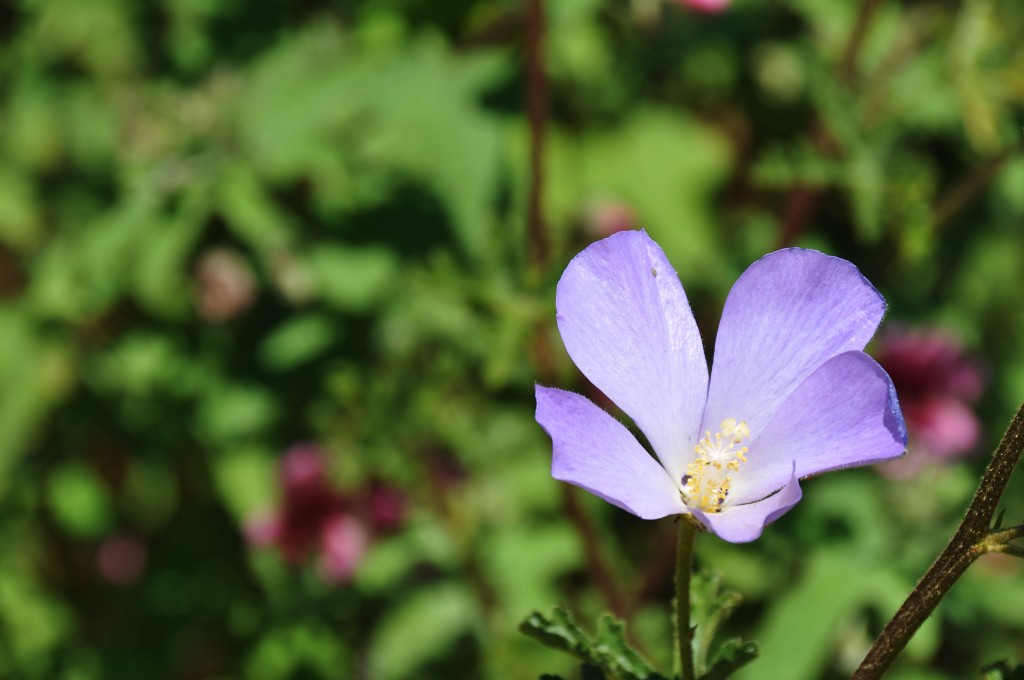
(386,507)
(344,541)
(303,468)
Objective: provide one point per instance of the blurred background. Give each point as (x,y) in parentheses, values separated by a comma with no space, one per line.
(273,302)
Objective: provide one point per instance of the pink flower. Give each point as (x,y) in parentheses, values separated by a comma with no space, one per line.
(344,540)
(316,520)
(937,384)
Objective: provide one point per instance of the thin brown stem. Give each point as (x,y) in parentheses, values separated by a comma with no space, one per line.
(658,571)
(967,544)
(848,62)
(802,200)
(597,562)
(536,106)
(966,190)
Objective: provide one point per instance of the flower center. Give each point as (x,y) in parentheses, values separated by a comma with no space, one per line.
(707,481)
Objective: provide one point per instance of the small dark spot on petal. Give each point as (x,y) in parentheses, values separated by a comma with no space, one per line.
(654,272)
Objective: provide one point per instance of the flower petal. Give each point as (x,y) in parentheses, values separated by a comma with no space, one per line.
(843,415)
(627,325)
(596,452)
(744,523)
(786,315)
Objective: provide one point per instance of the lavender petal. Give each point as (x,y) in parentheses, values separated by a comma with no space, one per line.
(596,452)
(791,311)
(844,414)
(627,325)
(745,523)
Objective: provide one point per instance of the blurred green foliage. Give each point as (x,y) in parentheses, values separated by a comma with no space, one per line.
(226,227)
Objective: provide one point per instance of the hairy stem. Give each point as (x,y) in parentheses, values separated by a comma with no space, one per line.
(971,540)
(684,570)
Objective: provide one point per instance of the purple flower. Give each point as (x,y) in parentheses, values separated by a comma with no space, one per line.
(791,394)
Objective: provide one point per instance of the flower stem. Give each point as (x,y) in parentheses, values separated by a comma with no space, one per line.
(971,540)
(684,569)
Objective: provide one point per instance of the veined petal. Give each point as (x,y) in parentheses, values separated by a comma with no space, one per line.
(843,415)
(596,452)
(744,523)
(627,325)
(791,311)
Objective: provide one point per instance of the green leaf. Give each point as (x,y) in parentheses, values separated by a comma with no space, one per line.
(836,583)
(424,625)
(297,341)
(246,480)
(559,632)
(730,656)
(236,411)
(607,656)
(79,502)
(692,161)
(710,606)
(612,644)
(353,279)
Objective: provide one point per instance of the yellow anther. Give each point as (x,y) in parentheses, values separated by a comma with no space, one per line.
(706,483)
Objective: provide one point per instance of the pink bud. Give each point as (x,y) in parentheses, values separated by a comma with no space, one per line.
(387,507)
(344,541)
(302,468)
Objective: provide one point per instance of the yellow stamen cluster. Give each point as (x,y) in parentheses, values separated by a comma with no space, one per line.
(707,482)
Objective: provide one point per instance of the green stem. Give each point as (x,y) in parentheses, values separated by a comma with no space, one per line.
(970,541)
(684,569)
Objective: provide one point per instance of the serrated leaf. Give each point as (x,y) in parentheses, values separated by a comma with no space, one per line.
(730,656)
(709,608)
(612,643)
(559,632)
(609,656)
